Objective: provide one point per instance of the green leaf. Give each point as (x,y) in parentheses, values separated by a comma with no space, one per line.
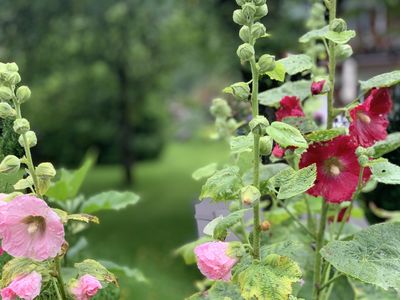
(124,271)
(96,269)
(278,73)
(303,124)
(314,34)
(286,135)
(221,229)
(270,279)
(205,172)
(372,292)
(70,182)
(325,134)
(386,172)
(281,177)
(266,172)
(342,290)
(296,63)
(382,80)
(111,200)
(242,143)
(223,185)
(298,182)
(272,97)
(219,291)
(373,256)
(340,37)
(391,143)
(187,250)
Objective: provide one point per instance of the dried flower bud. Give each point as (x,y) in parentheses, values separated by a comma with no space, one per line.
(21,126)
(5,93)
(266,63)
(258,125)
(30,137)
(239,18)
(10,164)
(244,34)
(266,145)
(249,9)
(265,226)
(250,194)
(261,11)
(220,108)
(240,90)
(23,94)
(338,25)
(245,52)
(6,111)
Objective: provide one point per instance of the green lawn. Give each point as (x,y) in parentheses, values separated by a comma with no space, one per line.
(145,235)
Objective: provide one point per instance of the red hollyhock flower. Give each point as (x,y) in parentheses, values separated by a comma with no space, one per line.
(317,86)
(337,168)
(278,151)
(290,107)
(340,216)
(369,119)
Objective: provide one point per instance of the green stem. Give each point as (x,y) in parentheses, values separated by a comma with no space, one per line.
(332,67)
(57,289)
(310,219)
(57,262)
(326,284)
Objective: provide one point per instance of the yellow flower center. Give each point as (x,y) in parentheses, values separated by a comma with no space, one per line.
(363,118)
(333,166)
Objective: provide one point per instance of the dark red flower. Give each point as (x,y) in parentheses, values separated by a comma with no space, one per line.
(340,216)
(290,107)
(337,168)
(369,119)
(317,86)
(278,151)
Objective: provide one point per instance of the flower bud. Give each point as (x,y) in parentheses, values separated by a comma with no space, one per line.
(360,151)
(265,226)
(232,124)
(266,63)
(258,125)
(245,52)
(30,137)
(23,94)
(343,51)
(21,126)
(5,93)
(12,67)
(240,90)
(259,2)
(6,111)
(10,164)
(249,9)
(12,77)
(363,160)
(258,30)
(239,18)
(265,145)
(234,206)
(240,2)
(45,171)
(244,34)
(261,11)
(250,194)
(338,25)
(317,87)
(220,108)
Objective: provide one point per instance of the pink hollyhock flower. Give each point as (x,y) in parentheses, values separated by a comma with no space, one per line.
(86,287)
(213,260)
(25,287)
(30,228)
(317,86)
(369,119)
(337,168)
(289,107)
(278,151)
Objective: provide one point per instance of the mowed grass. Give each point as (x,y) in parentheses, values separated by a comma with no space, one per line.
(144,236)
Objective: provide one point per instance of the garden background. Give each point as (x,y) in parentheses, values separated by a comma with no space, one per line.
(132,81)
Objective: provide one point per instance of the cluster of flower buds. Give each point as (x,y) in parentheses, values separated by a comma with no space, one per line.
(225,124)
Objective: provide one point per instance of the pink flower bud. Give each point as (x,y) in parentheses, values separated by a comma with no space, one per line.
(316,87)
(86,287)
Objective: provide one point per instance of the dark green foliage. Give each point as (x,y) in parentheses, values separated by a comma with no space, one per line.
(8,139)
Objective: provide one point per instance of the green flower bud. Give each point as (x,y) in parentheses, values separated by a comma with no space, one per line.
(240,90)
(363,160)
(21,126)
(338,25)
(343,51)
(244,34)
(360,151)
(240,2)
(220,108)
(10,164)
(12,67)
(370,151)
(45,171)
(258,30)
(261,11)
(245,52)
(265,145)
(249,10)
(259,2)
(6,111)
(234,206)
(12,77)
(239,18)
(232,125)
(258,124)
(5,93)
(30,137)
(23,94)
(266,63)
(250,194)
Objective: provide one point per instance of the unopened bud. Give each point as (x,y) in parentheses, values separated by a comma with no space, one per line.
(266,145)
(317,87)
(338,25)
(12,67)
(30,138)
(23,94)
(250,194)
(249,9)
(245,52)
(258,125)
(21,126)
(258,30)
(220,108)
(6,111)
(261,11)
(259,2)
(239,18)
(240,90)
(45,170)
(360,151)
(245,34)
(10,164)
(343,51)
(12,77)
(240,2)
(234,206)
(265,226)
(5,93)
(266,63)
(363,160)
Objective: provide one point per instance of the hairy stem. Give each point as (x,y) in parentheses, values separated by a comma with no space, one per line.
(60,280)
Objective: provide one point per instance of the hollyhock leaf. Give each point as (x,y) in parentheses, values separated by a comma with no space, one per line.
(382,80)
(84,218)
(23,266)
(223,185)
(221,229)
(219,290)
(205,172)
(96,269)
(209,228)
(281,177)
(278,73)
(340,37)
(296,63)
(242,143)
(314,34)
(187,250)
(386,172)
(373,256)
(298,182)
(286,135)
(111,200)
(270,279)
(391,143)
(272,97)
(303,124)
(124,271)
(372,292)
(325,134)
(266,172)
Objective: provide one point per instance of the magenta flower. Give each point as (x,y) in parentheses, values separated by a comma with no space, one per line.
(369,119)
(337,168)
(86,287)
(25,287)
(278,151)
(317,87)
(30,228)
(213,260)
(289,107)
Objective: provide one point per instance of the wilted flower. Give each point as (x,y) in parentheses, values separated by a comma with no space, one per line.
(213,260)
(30,228)
(86,287)
(25,287)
